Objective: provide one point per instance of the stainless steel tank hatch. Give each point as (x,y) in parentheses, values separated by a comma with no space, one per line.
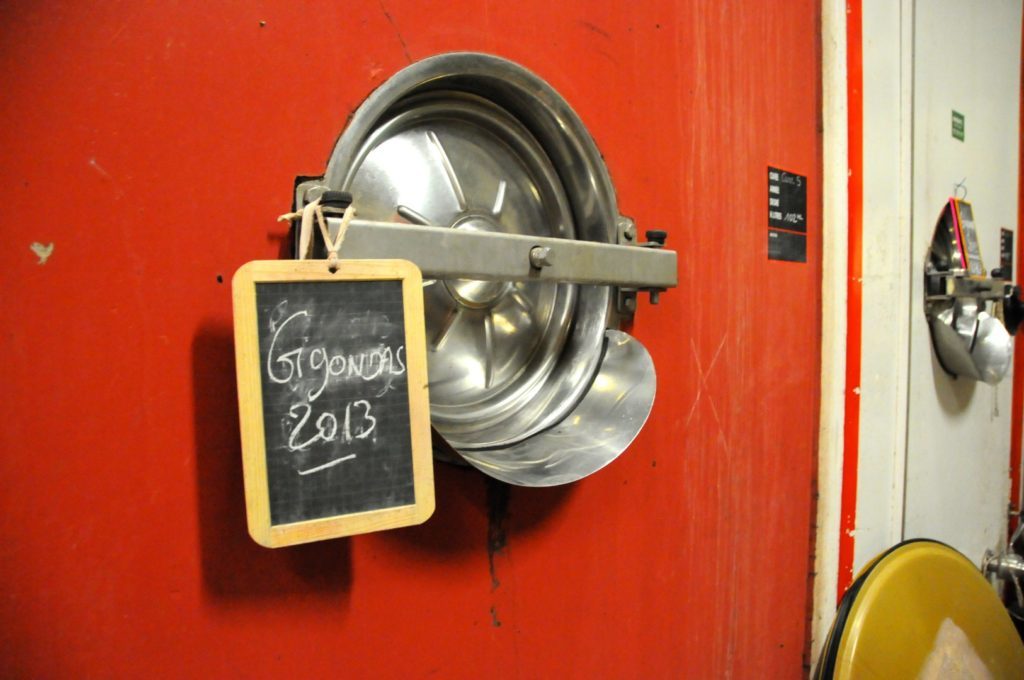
(529,379)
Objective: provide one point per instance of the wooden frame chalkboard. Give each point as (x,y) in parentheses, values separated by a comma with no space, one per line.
(332,393)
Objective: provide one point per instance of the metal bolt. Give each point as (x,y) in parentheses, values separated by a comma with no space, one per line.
(313,192)
(626,227)
(656,237)
(540,256)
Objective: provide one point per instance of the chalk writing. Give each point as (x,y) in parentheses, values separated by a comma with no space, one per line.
(787,200)
(309,369)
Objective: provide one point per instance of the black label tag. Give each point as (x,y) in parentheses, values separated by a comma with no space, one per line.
(787,200)
(1006,253)
(782,245)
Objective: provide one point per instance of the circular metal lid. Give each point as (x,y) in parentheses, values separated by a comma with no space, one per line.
(474,142)
(921,609)
(455,160)
(992,351)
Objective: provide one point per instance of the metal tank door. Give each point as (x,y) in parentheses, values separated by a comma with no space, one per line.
(530,380)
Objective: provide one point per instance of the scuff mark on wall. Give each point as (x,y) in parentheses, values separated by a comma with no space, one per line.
(398,33)
(41,251)
(497,511)
(99,168)
(102,172)
(595,29)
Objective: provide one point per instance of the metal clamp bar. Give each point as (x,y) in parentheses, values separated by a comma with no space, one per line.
(948,285)
(445,253)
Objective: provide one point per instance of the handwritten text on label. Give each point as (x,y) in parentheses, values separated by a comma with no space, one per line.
(310,370)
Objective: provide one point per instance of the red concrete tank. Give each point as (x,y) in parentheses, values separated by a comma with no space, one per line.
(154,144)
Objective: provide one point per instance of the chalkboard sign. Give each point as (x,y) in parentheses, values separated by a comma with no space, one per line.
(787,200)
(787,216)
(332,389)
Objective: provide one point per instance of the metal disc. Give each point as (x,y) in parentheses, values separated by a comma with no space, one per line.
(455,160)
(519,374)
(921,610)
(594,433)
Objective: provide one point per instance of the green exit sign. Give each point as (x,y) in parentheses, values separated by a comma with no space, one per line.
(958,125)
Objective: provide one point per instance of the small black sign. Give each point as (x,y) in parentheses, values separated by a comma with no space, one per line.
(787,200)
(787,216)
(958,125)
(783,245)
(1006,253)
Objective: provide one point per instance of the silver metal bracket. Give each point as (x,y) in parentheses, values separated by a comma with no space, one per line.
(1007,564)
(445,253)
(625,298)
(955,283)
(308,191)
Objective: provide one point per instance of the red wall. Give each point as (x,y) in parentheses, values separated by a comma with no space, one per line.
(153,146)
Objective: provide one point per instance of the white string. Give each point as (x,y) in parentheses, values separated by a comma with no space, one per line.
(315,209)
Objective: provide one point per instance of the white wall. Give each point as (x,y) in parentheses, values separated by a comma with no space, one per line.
(934,451)
(833,318)
(958,435)
(887,115)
